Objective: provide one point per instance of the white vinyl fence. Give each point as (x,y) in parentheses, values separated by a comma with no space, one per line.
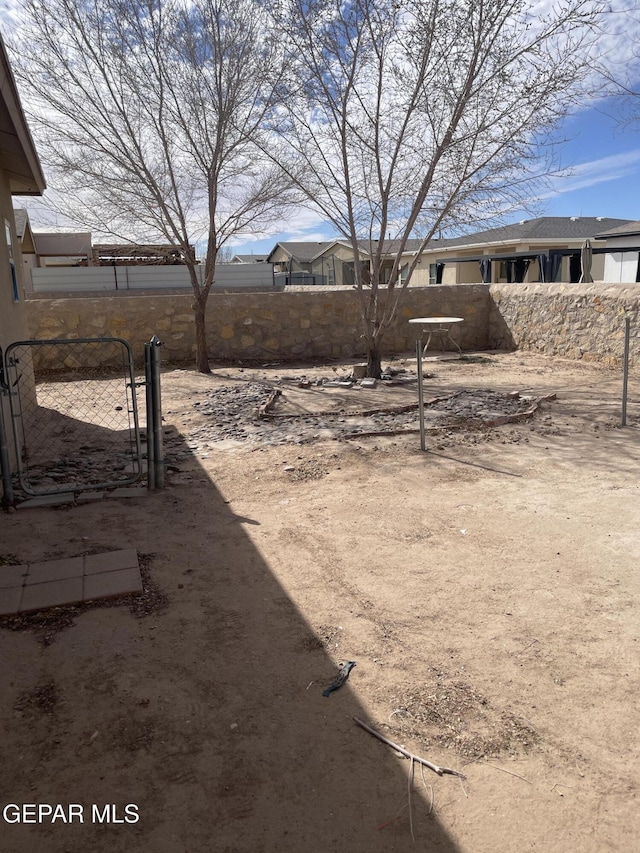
(70,280)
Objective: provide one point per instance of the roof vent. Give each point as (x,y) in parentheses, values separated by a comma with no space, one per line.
(574,218)
(599,218)
(522,221)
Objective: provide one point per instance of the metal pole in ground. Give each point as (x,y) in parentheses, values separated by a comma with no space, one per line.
(420,393)
(625,370)
(158,446)
(148,387)
(5,464)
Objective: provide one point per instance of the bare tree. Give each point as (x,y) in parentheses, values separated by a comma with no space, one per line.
(408,116)
(619,67)
(147,113)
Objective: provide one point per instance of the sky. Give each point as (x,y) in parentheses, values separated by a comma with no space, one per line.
(602,158)
(600,152)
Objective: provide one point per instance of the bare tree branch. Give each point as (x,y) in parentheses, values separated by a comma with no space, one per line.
(148,115)
(408,116)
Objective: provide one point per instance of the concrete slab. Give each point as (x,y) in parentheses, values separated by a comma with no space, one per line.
(11,576)
(39,596)
(89,497)
(111,561)
(10,600)
(55,570)
(110,584)
(47,500)
(57,582)
(129,492)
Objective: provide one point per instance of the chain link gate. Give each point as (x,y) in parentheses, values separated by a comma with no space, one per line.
(73,433)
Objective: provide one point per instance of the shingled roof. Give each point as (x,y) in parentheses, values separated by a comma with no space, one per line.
(630,229)
(543,228)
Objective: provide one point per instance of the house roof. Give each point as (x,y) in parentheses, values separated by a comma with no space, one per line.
(249,259)
(544,228)
(18,156)
(301,250)
(21,218)
(629,229)
(62,244)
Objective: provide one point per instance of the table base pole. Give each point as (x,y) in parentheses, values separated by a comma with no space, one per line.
(420,394)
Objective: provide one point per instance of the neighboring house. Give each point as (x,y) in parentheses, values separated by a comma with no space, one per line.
(62,248)
(20,174)
(328,263)
(622,258)
(24,233)
(542,249)
(50,249)
(306,262)
(248,259)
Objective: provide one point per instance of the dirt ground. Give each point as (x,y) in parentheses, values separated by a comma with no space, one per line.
(487,590)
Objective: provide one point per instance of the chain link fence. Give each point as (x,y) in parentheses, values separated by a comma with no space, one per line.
(75,425)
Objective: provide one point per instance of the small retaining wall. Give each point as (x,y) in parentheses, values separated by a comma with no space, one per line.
(266,326)
(580,321)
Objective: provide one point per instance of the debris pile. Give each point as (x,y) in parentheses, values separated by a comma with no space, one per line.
(259,414)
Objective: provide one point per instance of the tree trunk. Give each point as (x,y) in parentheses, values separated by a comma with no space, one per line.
(202,357)
(374,362)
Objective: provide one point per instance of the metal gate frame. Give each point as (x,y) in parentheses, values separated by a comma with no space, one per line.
(9,364)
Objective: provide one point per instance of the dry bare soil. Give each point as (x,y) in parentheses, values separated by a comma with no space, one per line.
(487,590)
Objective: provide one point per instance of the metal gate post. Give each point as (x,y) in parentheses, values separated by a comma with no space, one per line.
(158,446)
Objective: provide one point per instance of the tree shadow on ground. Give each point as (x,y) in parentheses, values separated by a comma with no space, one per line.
(208,715)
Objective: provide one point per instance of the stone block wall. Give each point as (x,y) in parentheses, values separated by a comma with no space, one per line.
(580,321)
(571,320)
(264,326)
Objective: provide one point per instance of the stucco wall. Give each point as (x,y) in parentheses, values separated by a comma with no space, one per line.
(265,326)
(581,321)
(13,315)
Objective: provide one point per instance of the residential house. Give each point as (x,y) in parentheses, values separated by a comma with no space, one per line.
(542,249)
(323,263)
(622,258)
(249,259)
(20,174)
(50,249)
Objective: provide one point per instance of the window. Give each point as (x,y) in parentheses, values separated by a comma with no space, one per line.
(432,274)
(12,266)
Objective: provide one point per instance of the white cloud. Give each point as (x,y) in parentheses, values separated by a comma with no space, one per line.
(304,225)
(592,172)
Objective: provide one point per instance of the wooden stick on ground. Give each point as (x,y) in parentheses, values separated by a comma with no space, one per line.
(441,771)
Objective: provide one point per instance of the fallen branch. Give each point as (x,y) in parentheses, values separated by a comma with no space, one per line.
(502,770)
(441,771)
(355,413)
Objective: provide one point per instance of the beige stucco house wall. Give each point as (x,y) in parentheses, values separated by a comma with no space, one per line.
(468,272)
(20,174)
(622,260)
(520,243)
